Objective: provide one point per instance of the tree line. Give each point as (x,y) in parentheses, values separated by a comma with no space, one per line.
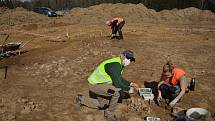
(69,4)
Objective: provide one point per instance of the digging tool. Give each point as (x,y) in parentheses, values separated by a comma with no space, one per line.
(4,42)
(5,38)
(24,45)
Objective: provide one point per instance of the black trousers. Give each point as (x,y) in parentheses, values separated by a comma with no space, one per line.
(169,92)
(117,28)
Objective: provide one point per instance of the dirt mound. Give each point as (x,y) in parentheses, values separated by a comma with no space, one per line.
(98,14)
(187,15)
(20,16)
(3,9)
(135,13)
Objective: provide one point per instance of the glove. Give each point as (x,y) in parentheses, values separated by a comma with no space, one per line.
(131,90)
(172,104)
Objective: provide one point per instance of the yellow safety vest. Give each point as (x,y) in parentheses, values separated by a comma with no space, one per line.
(99,76)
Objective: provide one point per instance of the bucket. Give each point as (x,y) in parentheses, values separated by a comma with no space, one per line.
(199,114)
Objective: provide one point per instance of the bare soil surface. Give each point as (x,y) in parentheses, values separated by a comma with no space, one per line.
(62,52)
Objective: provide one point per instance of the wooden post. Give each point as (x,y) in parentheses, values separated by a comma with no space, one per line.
(5,75)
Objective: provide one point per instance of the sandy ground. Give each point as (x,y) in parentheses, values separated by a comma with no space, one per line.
(42,82)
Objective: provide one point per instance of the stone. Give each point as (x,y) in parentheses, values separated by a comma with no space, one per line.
(54,62)
(31,103)
(65,73)
(134,30)
(62,61)
(35,64)
(48,67)
(23,100)
(60,69)
(89,118)
(95,52)
(11,117)
(42,66)
(135,119)
(33,106)
(26,110)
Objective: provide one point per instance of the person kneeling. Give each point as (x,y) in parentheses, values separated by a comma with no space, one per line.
(172,85)
(106,85)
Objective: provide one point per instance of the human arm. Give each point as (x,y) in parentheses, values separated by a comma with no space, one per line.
(159,84)
(125,82)
(183,86)
(115,20)
(159,92)
(114,71)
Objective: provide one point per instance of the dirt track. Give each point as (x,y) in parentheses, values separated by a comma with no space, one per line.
(41,83)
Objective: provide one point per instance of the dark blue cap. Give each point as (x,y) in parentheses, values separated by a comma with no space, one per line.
(129,55)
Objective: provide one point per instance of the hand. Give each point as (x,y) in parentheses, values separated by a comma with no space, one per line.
(132,84)
(159,98)
(172,104)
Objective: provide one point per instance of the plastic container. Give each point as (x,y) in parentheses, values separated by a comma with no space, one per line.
(152,119)
(148,97)
(194,114)
(144,91)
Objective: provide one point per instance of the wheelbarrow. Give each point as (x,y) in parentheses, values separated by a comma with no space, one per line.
(8,49)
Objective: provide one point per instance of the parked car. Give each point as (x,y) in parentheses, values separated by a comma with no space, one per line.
(44,10)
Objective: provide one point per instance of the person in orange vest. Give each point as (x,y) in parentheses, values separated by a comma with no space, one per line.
(173,84)
(116,25)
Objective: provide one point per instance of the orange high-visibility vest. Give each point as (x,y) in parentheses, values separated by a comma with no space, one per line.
(177,73)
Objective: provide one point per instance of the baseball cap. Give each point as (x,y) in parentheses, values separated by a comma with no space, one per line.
(129,55)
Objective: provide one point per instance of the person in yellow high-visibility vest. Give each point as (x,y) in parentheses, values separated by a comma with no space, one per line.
(106,83)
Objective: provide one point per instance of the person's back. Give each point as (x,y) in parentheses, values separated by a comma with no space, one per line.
(177,74)
(118,20)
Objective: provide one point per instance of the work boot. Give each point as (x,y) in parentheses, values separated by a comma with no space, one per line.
(78,99)
(113,37)
(109,116)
